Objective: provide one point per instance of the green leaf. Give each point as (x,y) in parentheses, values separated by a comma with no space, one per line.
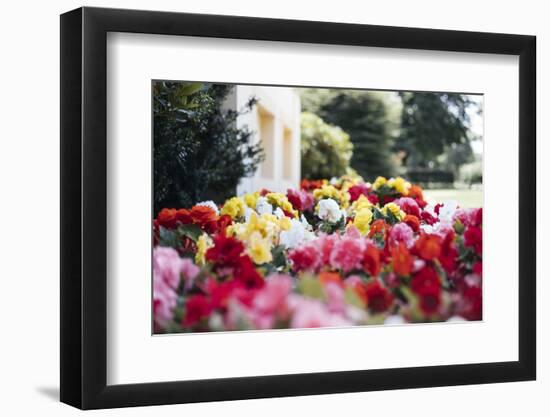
(311,287)
(192,231)
(168,238)
(191,88)
(351,298)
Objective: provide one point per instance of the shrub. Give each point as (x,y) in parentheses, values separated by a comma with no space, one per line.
(326,149)
(199,152)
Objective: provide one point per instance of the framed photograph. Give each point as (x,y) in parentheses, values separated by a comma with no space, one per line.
(257,208)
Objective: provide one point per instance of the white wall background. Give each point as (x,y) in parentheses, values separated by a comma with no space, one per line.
(29,177)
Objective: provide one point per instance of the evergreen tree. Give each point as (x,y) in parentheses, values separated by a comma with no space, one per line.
(198,151)
(367,118)
(432,125)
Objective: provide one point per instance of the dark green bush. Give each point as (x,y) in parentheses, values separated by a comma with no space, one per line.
(199,152)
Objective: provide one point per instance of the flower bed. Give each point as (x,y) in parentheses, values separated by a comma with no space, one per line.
(337,253)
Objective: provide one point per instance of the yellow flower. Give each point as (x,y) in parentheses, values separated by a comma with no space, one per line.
(284,223)
(329,191)
(361,203)
(394,209)
(362,220)
(400,185)
(280,200)
(250,199)
(326,191)
(204,242)
(379,182)
(234,207)
(259,249)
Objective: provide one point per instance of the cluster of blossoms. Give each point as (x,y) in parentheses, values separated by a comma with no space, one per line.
(333,253)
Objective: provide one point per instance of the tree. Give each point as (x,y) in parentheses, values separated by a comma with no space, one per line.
(326,150)
(199,152)
(367,117)
(435,124)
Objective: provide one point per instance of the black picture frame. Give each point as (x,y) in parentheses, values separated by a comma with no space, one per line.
(84,207)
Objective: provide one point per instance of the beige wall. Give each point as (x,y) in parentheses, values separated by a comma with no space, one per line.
(275,121)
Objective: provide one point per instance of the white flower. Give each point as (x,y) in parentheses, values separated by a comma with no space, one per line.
(447,211)
(210,204)
(329,210)
(263,207)
(296,235)
(247,213)
(279,213)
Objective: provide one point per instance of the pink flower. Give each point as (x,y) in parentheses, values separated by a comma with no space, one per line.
(313,313)
(167,266)
(301,200)
(401,232)
(335,298)
(164,301)
(189,271)
(305,258)
(273,295)
(168,269)
(324,245)
(469,216)
(408,205)
(347,253)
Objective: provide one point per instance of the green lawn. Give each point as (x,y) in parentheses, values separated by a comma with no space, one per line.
(465,198)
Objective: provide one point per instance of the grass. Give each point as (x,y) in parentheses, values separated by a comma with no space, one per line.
(465,198)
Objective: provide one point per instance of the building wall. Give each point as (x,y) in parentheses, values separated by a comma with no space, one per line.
(275,121)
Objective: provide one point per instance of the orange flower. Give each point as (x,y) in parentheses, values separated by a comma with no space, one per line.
(402,260)
(379,226)
(412,221)
(326,277)
(371,260)
(416,192)
(184,216)
(203,214)
(428,246)
(167,218)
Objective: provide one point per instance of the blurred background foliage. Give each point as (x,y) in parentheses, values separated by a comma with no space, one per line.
(326,149)
(199,152)
(424,136)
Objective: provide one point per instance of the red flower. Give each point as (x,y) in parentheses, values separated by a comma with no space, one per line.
(430,299)
(449,254)
(310,185)
(378,296)
(471,307)
(304,258)
(402,260)
(246,273)
(373,198)
(226,250)
(388,199)
(202,215)
(356,191)
(477,268)
(184,216)
(197,307)
(413,222)
(428,247)
(473,237)
(426,277)
(371,260)
(428,218)
(167,218)
(223,221)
